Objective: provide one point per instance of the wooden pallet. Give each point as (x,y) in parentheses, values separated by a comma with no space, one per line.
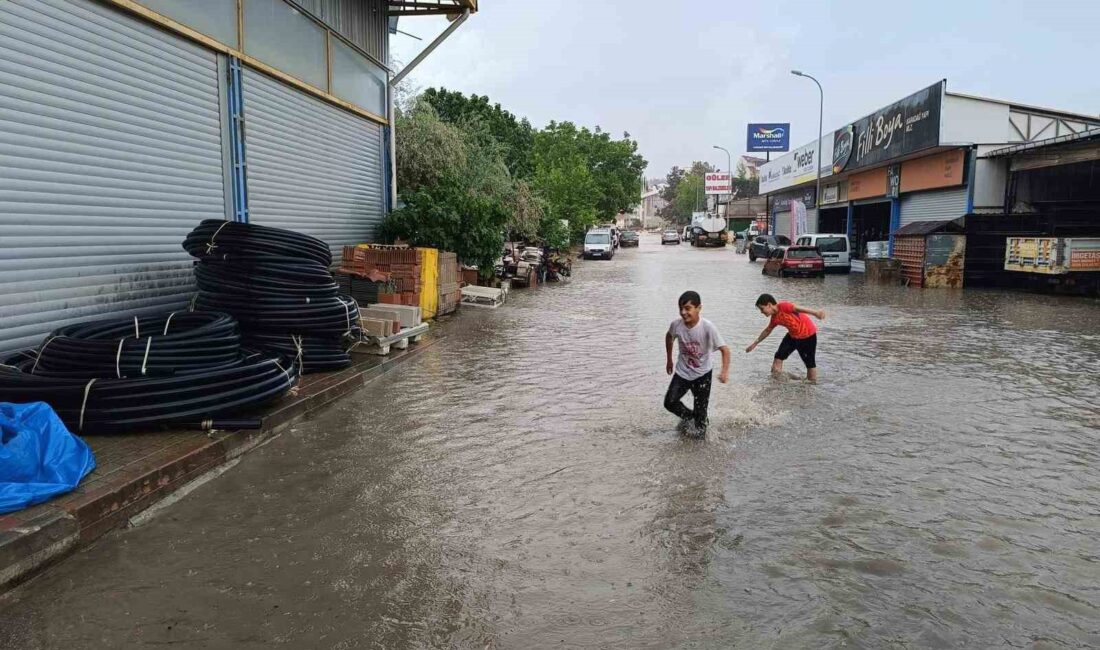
(383,345)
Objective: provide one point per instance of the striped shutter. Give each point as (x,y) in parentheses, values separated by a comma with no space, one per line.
(312,167)
(110,152)
(783,223)
(933,206)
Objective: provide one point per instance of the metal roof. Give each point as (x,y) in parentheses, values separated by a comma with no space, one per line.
(929,227)
(431,7)
(1029,107)
(1040,144)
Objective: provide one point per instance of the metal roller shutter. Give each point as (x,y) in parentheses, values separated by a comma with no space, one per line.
(783,223)
(312,167)
(933,206)
(110,152)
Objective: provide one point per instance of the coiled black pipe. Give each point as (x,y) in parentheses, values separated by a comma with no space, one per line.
(313,353)
(175,343)
(326,316)
(217,239)
(259,278)
(118,405)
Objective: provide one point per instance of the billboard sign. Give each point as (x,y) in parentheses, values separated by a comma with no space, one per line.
(772,136)
(902,128)
(717,183)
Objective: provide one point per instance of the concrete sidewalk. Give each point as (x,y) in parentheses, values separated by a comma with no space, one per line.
(136,471)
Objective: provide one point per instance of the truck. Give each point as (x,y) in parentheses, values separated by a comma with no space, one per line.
(710,231)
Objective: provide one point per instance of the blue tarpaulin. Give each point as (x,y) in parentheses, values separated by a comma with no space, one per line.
(39,458)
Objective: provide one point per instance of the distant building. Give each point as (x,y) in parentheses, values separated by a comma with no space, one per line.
(752,165)
(652,203)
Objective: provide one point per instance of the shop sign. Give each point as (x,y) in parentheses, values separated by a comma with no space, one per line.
(717,183)
(842,147)
(893,181)
(902,128)
(830,194)
(939,170)
(792,169)
(773,136)
(783,203)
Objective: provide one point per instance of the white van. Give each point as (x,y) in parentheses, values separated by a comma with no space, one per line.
(834,247)
(599,242)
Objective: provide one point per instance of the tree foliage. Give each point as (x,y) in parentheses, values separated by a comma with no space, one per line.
(684,192)
(469,173)
(515,136)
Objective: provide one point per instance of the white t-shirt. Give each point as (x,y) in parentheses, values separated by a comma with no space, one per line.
(696,345)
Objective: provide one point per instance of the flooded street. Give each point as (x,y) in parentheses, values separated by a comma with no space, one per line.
(520,486)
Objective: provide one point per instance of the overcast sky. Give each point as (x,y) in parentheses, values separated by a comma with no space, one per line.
(683,76)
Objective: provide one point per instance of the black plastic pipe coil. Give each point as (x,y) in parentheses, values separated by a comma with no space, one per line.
(117,405)
(216,239)
(175,343)
(277,284)
(313,353)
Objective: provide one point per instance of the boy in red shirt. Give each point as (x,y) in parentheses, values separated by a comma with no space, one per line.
(801,332)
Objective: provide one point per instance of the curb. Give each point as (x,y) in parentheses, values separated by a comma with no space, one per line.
(33,539)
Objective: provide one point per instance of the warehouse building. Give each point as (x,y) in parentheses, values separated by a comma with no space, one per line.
(123,123)
(932,156)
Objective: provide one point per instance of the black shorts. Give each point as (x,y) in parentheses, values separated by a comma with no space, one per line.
(807,349)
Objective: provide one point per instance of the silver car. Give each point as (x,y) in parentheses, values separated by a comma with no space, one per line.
(670,237)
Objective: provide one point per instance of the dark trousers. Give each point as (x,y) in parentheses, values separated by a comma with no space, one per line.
(700,390)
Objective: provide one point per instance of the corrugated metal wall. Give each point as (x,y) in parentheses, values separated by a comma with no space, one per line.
(110,152)
(933,206)
(312,167)
(363,22)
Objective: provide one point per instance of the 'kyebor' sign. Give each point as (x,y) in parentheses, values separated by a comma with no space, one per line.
(717,183)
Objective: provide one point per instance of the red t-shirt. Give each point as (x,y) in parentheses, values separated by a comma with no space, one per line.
(799,325)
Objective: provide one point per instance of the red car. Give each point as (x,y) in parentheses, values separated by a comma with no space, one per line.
(795,260)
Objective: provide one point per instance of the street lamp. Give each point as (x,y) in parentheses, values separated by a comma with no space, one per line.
(820,115)
(729,168)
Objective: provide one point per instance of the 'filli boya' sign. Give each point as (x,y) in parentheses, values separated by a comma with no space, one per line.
(901,128)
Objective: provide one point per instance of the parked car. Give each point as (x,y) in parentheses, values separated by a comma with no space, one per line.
(795,261)
(629,238)
(670,237)
(763,245)
(599,242)
(835,248)
(687,235)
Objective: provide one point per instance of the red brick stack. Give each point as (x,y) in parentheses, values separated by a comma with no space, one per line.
(404,266)
(450,282)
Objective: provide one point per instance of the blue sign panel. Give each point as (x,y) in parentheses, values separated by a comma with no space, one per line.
(769,137)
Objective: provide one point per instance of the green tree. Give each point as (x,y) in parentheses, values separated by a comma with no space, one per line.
(457,192)
(685,192)
(515,136)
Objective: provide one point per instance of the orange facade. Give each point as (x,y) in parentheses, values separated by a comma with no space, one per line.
(865,185)
(938,170)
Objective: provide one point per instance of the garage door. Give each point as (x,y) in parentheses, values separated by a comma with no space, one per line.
(933,206)
(110,152)
(782,223)
(312,167)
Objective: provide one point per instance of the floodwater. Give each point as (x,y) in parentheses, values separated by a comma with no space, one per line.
(520,486)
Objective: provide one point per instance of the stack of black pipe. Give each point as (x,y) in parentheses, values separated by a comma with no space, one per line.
(277,284)
(184,369)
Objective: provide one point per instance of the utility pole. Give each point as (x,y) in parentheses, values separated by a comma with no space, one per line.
(820,115)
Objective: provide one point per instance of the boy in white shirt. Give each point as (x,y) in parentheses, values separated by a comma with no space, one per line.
(698,338)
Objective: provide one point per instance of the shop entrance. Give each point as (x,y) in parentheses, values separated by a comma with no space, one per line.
(870,222)
(833,220)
